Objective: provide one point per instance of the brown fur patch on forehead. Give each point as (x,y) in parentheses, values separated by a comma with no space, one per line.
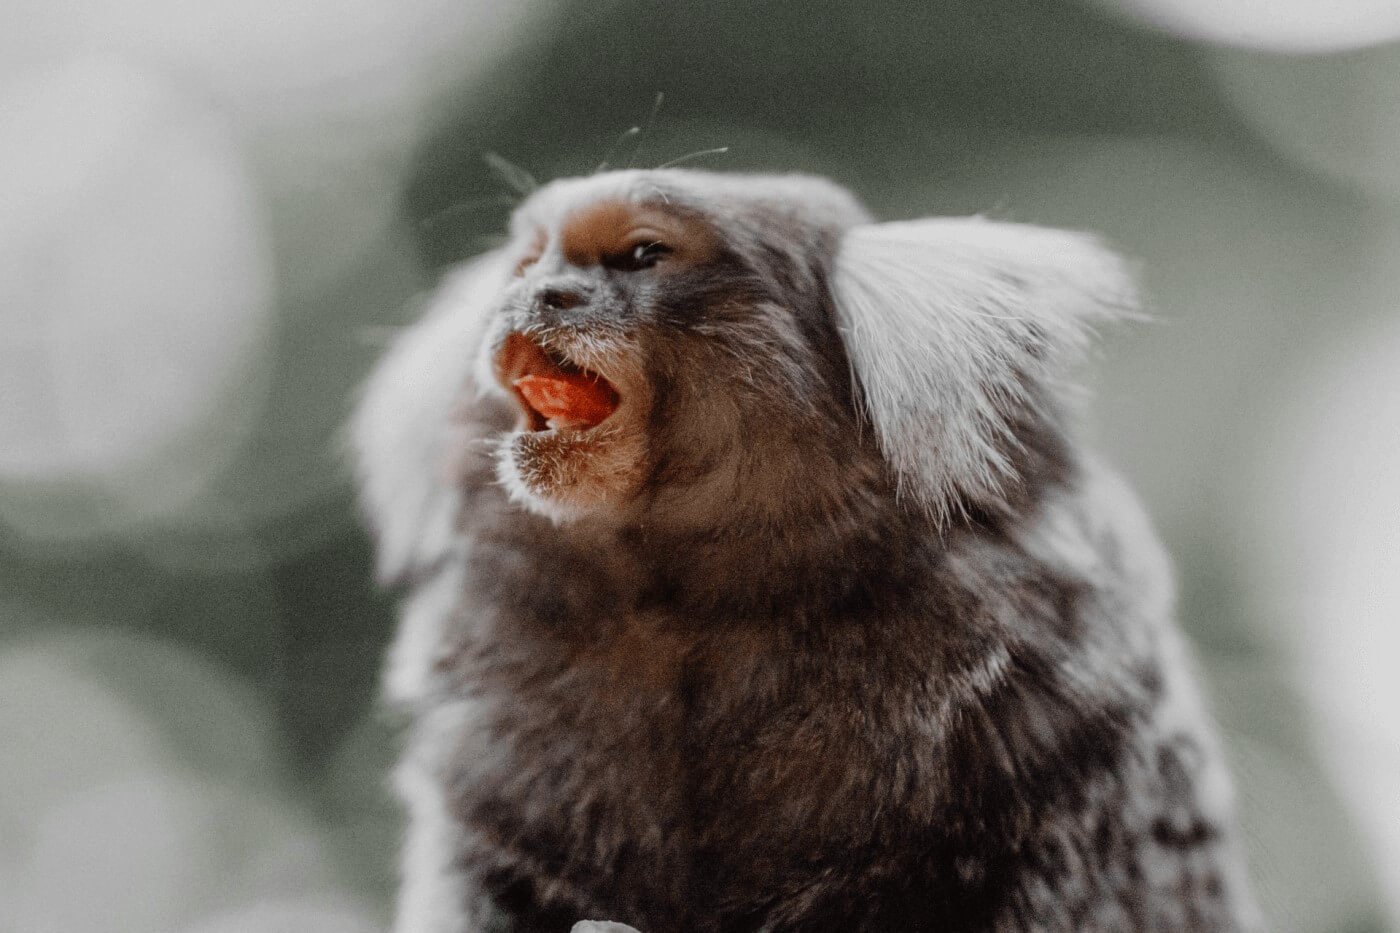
(614,227)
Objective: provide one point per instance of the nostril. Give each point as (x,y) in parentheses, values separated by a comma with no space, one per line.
(559,299)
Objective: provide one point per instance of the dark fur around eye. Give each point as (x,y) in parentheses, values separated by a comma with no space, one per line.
(638,257)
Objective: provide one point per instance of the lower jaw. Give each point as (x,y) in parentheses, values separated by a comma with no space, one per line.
(556,441)
(551,461)
(566,472)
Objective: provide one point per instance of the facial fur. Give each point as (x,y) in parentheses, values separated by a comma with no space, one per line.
(716,335)
(808,612)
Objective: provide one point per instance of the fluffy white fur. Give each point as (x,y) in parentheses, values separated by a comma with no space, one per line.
(401,429)
(432,898)
(419,643)
(947,321)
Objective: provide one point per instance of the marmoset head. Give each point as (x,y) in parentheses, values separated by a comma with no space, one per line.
(691,347)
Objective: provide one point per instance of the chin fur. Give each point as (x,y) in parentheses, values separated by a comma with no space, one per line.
(565,474)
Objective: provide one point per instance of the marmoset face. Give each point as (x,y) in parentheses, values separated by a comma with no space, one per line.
(710,351)
(660,331)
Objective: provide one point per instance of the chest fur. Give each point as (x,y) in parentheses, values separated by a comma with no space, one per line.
(664,768)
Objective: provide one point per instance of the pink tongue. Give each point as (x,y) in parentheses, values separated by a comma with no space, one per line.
(575,399)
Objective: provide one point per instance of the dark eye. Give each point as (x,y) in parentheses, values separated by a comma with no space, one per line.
(641,256)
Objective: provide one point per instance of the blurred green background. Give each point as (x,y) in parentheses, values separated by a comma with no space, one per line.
(211,216)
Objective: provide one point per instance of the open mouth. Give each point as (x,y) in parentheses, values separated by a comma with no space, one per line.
(554,393)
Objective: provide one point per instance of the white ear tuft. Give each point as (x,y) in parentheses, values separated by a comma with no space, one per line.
(953,326)
(399,430)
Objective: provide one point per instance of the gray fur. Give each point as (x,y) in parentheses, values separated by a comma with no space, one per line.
(829,627)
(950,325)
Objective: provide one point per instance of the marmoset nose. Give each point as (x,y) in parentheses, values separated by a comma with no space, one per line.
(559,298)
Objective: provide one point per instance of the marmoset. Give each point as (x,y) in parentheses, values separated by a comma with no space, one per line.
(756,580)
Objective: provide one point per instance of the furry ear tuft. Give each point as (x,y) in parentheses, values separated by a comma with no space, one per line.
(955,328)
(399,429)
